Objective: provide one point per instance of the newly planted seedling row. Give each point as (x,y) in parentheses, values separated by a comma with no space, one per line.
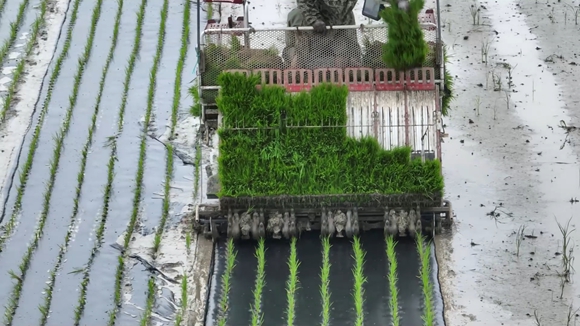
(14,29)
(256,308)
(325,282)
(426,284)
(139,179)
(54,164)
(27,166)
(17,75)
(292,284)
(226,280)
(174,111)
(393,289)
(151,288)
(79,309)
(45,308)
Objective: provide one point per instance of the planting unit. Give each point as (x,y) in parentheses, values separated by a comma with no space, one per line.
(397,108)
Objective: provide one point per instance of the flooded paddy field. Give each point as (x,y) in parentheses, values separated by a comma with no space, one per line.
(96,176)
(309,300)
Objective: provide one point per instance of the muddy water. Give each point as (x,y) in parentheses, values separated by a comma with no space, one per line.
(507,160)
(376,306)
(39,174)
(96,171)
(124,185)
(65,185)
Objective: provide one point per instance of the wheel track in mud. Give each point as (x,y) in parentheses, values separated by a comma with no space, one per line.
(54,167)
(25,172)
(81,176)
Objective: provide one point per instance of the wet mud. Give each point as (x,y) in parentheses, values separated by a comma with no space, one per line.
(91,201)
(506,170)
(61,207)
(39,174)
(135,284)
(308,301)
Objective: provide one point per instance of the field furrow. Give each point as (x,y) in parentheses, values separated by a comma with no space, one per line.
(101,299)
(48,254)
(12,257)
(89,228)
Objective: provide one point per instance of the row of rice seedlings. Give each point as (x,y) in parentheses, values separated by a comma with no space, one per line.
(54,164)
(45,308)
(256,309)
(394,299)
(179,318)
(325,282)
(79,309)
(38,22)
(223,306)
(139,177)
(359,281)
(14,28)
(425,276)
(292,283)
(151,288)
(27,166)
(174,112)
(2,6)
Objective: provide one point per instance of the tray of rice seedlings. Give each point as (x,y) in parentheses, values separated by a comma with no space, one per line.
(292,284)
(284,148)
(325,282)
(358,292)
(256,309)
(394,291)
(426,284)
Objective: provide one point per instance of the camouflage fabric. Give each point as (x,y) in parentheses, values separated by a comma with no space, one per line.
(331,12)
(335,48)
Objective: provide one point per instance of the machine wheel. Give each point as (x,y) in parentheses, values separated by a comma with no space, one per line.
(206,231)
(214,231)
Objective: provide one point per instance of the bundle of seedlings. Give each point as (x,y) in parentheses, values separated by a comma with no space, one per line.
(273,143)
(406,48)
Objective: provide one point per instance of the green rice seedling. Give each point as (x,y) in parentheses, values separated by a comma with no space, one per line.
(256,308)
(179,318)
(54,163)
(27,165)
(150,301)
(80,180)
(292,284)
(359,281)
(425,276)
(17,76)
(262,142)
(231,254)
(393,289)
(14,28)
(79,309)
(325,282)
(406,47)
(2,5)
(195,109)
(141,167)
(168,164)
